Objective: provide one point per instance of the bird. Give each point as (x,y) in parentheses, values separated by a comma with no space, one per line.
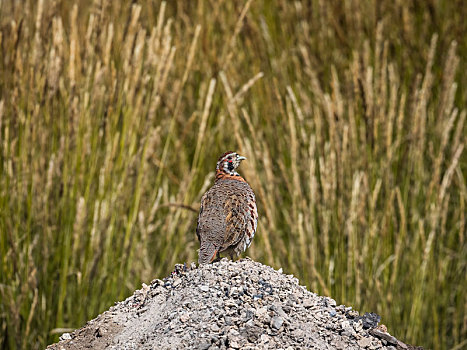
(228,215)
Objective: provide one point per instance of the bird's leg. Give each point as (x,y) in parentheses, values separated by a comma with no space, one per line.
(232,256)
(218,257)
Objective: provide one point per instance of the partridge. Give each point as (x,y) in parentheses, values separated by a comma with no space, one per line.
(228,216)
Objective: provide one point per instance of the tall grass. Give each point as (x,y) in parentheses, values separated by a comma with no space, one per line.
(352,116)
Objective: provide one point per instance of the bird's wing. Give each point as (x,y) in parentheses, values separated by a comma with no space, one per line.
(210,227)
(199,217)
(239,220)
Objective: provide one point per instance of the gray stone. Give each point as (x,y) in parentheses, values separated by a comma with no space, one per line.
(277,322)
(364,342)
(204,346)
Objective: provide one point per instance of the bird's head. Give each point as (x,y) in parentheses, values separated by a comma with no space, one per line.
(228,163)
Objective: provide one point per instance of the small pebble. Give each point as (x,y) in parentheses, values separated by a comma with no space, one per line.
(364,342)
(204,288)
(65,336)
(177,282)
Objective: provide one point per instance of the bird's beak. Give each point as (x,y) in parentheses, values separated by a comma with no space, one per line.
(241,158)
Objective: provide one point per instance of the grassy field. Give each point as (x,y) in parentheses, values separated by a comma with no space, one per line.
(351,113)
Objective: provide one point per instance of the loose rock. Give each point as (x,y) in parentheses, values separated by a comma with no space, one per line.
(235,305)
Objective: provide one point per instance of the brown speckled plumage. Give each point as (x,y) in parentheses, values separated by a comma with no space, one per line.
(228,216)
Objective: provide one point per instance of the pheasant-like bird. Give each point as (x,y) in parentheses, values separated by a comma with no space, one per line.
(228,216)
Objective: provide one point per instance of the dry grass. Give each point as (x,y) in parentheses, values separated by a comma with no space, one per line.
(352,116)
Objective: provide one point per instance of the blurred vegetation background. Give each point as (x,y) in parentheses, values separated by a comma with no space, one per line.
(351,113)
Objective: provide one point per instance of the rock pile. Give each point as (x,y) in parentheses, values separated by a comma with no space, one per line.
(230,305)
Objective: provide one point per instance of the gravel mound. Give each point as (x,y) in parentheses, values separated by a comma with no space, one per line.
(229,305)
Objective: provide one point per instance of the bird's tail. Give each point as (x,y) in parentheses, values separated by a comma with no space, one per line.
(207,253)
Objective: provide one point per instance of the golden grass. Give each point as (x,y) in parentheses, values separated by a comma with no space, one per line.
(352,116)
